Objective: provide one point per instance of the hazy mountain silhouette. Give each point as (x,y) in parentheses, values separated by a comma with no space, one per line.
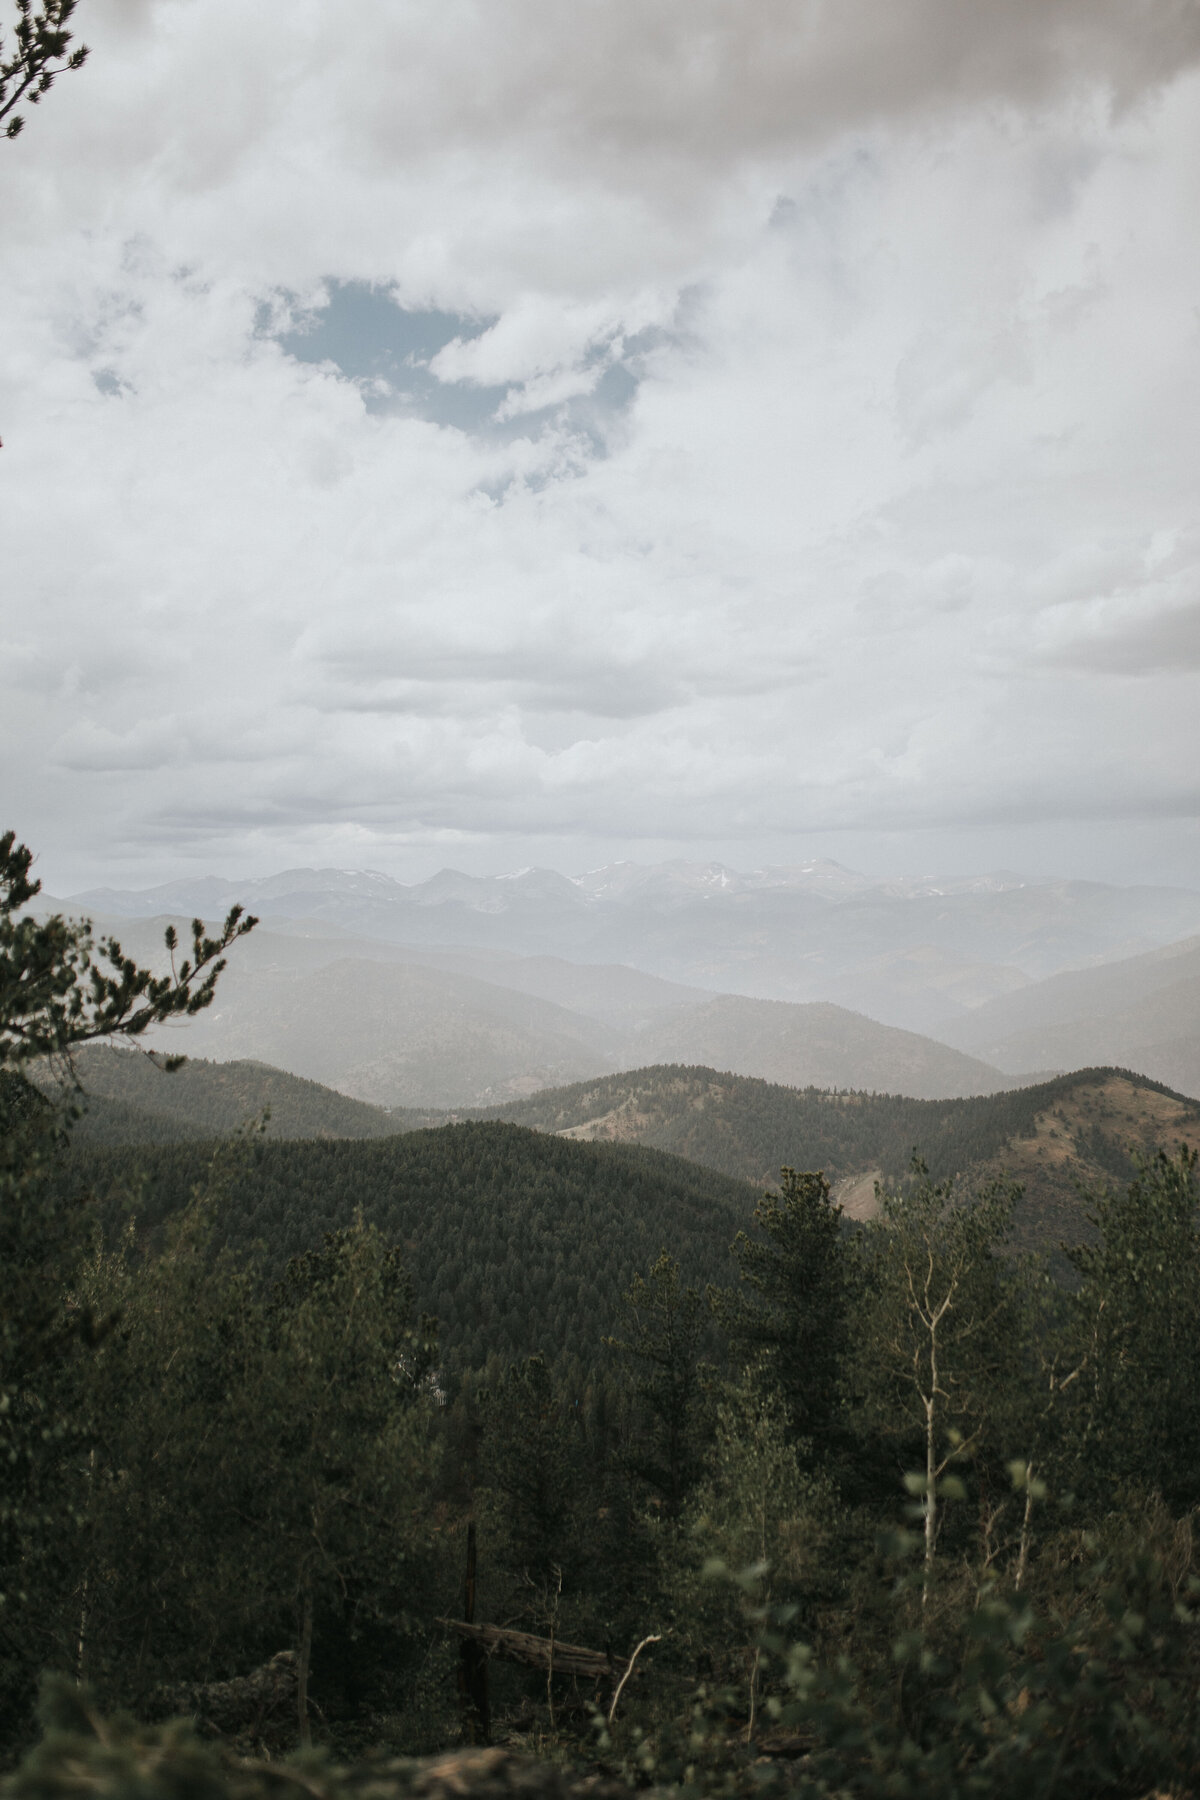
(1143,1012)
(911,953)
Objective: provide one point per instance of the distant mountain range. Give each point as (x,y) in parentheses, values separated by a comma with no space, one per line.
(911,953)
(402,1027)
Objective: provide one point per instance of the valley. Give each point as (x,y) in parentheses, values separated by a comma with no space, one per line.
(465,992)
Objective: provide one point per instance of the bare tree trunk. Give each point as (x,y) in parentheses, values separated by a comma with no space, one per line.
(655,1637)
(932,1520)
(550,1658)
(473,1662)
(81,1647)
(302,1668)
(930,1489)
(753,1693)
(1026,1529)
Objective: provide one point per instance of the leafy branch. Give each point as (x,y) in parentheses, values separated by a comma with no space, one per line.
(60,989)
(38,51)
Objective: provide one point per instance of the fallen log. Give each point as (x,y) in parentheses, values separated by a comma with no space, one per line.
(539,1652)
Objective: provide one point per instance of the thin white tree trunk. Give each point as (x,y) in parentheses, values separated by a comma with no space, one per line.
(1026,1529)
(931,1506)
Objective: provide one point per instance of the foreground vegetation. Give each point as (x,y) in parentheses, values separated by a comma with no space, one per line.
(880,1506)
(885,1498)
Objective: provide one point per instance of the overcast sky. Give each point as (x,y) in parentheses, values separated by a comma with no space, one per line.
(490,432)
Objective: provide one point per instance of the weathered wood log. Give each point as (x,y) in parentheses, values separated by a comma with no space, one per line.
(539,1652)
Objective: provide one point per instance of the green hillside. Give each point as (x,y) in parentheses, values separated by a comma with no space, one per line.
(130,1098)
(1077,1128)
(750,1128)
(518,1241)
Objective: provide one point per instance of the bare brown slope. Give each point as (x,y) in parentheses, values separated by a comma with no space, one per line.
(815,1044)
(1085,1138)
(398,1035)
(1142,1013)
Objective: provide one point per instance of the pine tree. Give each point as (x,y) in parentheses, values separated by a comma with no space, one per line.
(38,51)
(1136,1334)
(58,989)
(791,1309)
(664,1326)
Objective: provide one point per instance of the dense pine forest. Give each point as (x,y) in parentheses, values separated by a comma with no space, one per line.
(518,1241)
(476,1433)
(1059,1138)
(130,1097)
(735,1124)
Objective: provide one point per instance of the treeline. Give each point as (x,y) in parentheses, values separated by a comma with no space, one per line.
(883,1499)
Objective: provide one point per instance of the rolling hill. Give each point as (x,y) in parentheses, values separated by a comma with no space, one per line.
(811,1045)
(363,1018)
(1074,1130)
(397,1034)
(129,1099)
(519,1241)
(1143,1011)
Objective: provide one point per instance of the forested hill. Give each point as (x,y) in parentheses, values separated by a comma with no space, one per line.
(518,1241)
(1077,1128)
(130,1099)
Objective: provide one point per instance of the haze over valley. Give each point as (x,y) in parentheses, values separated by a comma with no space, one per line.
(463,991)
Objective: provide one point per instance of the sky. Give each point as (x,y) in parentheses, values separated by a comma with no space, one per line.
(506,432)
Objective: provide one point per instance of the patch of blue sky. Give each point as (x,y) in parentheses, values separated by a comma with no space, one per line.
(110,383)
(386,350)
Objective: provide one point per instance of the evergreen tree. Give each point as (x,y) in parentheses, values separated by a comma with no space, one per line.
(790,1311)
(58,989)
(37,51)
(664,1325)
(533,1470)
(1136,1334)
(341,1443)
(167,1584)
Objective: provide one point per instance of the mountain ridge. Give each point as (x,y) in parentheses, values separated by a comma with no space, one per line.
(913,952)
(1143,1010)
(1082,1128)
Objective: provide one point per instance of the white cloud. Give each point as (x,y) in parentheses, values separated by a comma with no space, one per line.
(898,531)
